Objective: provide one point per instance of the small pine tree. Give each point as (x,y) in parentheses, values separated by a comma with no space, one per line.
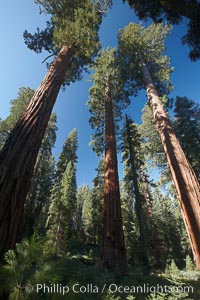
(173,269)
(189,265)
(17,108)
(97,199)
(20,268)
(87,217)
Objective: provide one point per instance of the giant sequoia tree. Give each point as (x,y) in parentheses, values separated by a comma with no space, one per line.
(73,28)
(141,49)
(107,96)
(43,171)
(37,201)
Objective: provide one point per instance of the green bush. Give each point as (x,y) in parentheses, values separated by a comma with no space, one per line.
(189,265)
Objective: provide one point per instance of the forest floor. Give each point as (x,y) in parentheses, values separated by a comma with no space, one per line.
(84,280)
(77,276)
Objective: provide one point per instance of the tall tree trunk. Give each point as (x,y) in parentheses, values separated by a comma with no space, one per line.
(138,202)
(113,246)
(184,178)
(18,156)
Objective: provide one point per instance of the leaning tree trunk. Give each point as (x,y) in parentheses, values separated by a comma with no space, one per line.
(18,156)
(113,246)
(184,178)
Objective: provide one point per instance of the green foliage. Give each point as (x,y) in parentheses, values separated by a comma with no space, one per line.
(106,69)
(187,127)
(172,268)
(69,252)
(169,229)
(131,145)
(72,269)
(167,296)
(173,12)
(90,209)
(133,160)
(129,222)
(72,23)
(97,200)
(155,158)
(37,199)
(78,24)
(17,108)
(37,202)
(87,216)
(151,143)
(20,267)
(110,296)
(80,198)
(130,297)
(68,153)
(137,44)
(68,197)
(61,221)
(145,9)
(189,265)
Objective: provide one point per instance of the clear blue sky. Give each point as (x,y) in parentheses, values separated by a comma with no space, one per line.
(21,67)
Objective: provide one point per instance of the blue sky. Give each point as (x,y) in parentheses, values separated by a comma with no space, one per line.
(21,67)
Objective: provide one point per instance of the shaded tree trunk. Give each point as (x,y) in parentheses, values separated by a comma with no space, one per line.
(138,202)
(184,178)
(154,240)
(18,156)
(147,197)
(113,246)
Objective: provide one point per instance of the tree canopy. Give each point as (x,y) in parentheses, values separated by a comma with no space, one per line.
(72,23)
(174,12)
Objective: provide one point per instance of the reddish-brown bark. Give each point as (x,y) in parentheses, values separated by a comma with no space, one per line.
(18,156)
(113,246)
(184,178)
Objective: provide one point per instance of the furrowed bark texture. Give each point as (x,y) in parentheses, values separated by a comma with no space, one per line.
(113,246)
(184,178)
(18,156)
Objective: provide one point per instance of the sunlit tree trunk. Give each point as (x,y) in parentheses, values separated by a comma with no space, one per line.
(113,246)
(18,156)
(184,178)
